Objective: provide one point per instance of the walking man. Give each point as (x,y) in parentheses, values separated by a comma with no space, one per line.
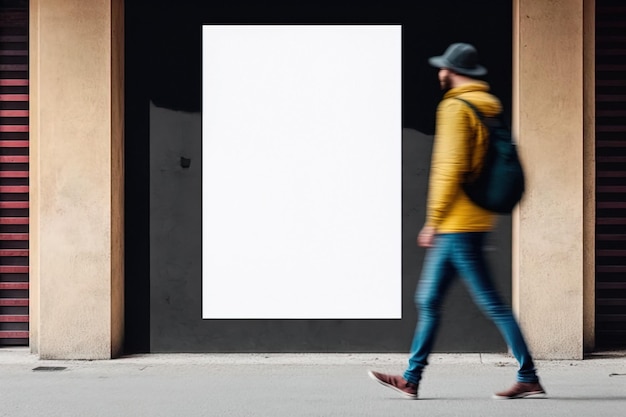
(455,229)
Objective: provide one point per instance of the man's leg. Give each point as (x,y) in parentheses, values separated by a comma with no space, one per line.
(437,273)
(470,261)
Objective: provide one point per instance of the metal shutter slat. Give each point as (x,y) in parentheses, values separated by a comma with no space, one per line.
(13,53)
(13,220)
(13,83)
(13,252)
(13,285)
(13,174)
(13,67)
(13,128)
(13,236)
(13,204)
(13,143)
(13,318)
(13,334)
(13,269)
(13,302)
(12,97)
(14,159)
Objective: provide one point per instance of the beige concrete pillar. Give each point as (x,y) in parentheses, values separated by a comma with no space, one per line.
(553,227)
(76,85)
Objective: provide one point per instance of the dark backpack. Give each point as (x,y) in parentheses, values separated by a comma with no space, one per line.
(499,186)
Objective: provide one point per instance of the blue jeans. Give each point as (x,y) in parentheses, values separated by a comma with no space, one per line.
(461,253)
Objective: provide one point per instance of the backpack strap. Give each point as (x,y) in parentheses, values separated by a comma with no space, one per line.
(470,174)
(471,106)
(482,117)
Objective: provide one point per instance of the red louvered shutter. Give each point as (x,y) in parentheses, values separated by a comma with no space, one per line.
(610,174)
(13,172)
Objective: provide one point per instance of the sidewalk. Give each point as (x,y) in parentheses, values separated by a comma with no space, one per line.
(282,385)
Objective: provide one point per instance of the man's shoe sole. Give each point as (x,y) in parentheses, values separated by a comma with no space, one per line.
(405,394)
(530,394)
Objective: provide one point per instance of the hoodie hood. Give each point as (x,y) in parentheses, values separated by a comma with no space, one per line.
(478,94)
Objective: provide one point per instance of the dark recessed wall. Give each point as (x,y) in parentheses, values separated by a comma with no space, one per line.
(163,105)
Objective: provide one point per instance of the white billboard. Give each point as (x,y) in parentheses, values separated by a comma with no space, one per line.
(301,172)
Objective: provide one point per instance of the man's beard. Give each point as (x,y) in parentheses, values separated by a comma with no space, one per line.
(446,83)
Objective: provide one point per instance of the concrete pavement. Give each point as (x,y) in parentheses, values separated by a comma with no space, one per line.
(277,385)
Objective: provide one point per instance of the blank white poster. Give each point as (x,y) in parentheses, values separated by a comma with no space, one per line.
(301,172)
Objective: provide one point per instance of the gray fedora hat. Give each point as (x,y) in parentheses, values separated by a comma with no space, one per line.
(461,58)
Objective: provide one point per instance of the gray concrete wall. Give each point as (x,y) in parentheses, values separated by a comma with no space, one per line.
(176,265)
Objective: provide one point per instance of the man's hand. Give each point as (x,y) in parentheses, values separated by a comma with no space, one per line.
(426,238)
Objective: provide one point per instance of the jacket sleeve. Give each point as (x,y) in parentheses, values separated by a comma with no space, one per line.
(450,160)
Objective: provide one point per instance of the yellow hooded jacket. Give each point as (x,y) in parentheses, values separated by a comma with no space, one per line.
(459,148)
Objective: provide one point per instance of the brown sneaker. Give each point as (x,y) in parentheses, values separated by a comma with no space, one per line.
(396,383)
(522,390)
